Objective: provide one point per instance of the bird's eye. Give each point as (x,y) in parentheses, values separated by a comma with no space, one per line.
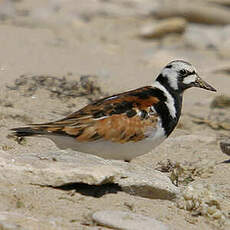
(183,72)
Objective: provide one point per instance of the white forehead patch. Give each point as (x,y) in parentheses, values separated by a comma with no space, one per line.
(172,77)
(189,79)
(178,65)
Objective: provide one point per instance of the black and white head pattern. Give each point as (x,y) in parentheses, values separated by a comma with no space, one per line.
(179,75)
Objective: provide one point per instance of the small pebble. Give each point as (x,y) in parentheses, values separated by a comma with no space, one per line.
(163,28)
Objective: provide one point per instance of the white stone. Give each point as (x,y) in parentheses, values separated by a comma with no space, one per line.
(127,221)
(67,167)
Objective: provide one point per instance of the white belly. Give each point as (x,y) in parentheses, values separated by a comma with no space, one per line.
(113,150)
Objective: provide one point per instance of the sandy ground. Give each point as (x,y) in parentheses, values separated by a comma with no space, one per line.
(48,42)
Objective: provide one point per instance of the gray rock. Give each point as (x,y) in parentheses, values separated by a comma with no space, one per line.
(66,167)
(127,221)
(57,168)
(141,181)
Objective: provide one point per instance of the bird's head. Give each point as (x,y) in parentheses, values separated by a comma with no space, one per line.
(179,75)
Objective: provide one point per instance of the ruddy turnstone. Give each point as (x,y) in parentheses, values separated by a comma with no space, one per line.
(128,124)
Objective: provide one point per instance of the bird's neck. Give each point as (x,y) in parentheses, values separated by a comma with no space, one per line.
(170,109)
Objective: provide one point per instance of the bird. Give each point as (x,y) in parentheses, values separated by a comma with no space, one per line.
(128,124)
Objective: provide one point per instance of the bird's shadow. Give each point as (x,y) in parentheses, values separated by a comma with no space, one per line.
(91,190)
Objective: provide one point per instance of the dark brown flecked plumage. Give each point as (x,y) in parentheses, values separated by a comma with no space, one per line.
(120,118)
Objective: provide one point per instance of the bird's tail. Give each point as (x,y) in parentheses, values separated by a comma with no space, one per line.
(27,131)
